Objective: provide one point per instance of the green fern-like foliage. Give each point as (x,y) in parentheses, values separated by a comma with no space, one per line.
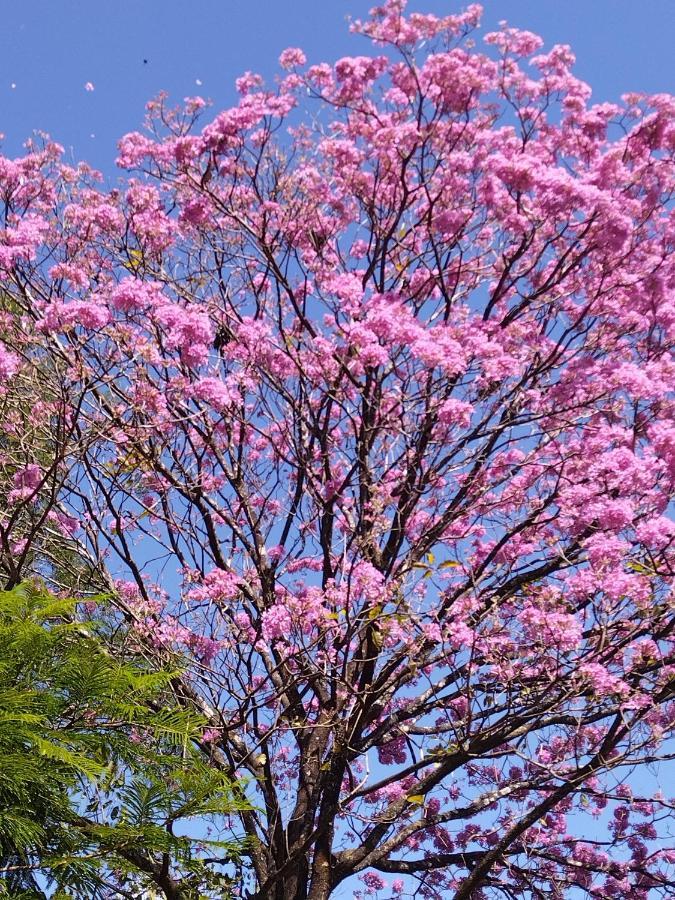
(102,793)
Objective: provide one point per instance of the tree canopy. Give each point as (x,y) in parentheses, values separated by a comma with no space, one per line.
(97,767)
(359,396)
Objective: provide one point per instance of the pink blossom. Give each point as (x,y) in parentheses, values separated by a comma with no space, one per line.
(604,549)
(455,412)
(205,649)
(68,525)
(291,58)
(9,364)
(134,148)
(26,482)
(373,881)
(92,315)
(275,553)
(214,392)
(602,680)
(134,294)
(551,627)
(394,752)
(218,585)
(188,330)
(277,623)
(657,532)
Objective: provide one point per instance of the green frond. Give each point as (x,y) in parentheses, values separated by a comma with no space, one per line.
(19,829)
(97,762)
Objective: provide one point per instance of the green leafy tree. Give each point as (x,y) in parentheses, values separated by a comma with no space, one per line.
(104,791)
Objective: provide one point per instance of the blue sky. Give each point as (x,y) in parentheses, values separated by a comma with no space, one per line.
(49,49)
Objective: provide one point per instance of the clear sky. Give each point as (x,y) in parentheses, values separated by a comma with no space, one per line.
(49,50)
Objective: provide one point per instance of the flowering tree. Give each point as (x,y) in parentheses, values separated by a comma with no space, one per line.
(361,397)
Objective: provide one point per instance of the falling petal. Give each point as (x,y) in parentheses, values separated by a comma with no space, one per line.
(89,86)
